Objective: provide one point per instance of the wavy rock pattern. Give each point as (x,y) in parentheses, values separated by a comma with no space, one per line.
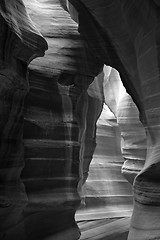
(95,104)
(20,43)
(60,115)
(106,191)
(122,36)
(60,122)
(133,134)
(55,124)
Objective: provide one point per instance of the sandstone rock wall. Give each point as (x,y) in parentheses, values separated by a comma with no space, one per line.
(20,42)
(51,133)
(120,143)
(55,124)
(126,36)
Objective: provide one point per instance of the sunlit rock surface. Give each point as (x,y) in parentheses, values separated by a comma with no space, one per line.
(59,131)
(95,102)
(55,125)
(120,137)
(126,36)
(133,142)
(106,192)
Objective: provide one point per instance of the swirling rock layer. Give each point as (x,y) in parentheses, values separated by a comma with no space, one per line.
(55,124)
(19,44)
(124,37)
(60,115)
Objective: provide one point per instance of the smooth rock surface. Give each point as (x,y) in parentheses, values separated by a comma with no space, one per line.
(59,131)
(55,125)
(125,35)
(133,142)
(120,136)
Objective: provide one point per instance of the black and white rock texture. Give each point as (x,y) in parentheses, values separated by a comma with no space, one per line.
(54,127)
(50,138)
(20,43)
(125,35)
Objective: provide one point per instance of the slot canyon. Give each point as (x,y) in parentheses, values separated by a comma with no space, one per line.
(80,119)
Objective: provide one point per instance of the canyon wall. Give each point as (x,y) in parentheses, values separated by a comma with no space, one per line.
(125,35)
(20,43)
(51,143)
(119,153)
(47,119)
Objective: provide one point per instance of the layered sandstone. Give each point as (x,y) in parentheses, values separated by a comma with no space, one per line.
(20,42)
(125,35)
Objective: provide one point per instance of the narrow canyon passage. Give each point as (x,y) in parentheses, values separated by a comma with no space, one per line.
(73,143)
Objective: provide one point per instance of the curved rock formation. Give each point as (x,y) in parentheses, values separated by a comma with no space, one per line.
(106,192)
(60,114)
(125,35)
(55,125)
(132,131)
(95,104)
(20,42)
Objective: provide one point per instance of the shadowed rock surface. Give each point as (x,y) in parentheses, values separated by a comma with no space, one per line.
(55,125)
(20,43)
(49,115)
(126,36)
(120,137)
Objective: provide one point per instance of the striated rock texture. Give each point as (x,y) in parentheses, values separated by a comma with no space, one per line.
(56,116)
(95,104)
(55,138)
(125,35)
(133,142)
(20,42)
(120,136)
(107,194)
(60,113)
